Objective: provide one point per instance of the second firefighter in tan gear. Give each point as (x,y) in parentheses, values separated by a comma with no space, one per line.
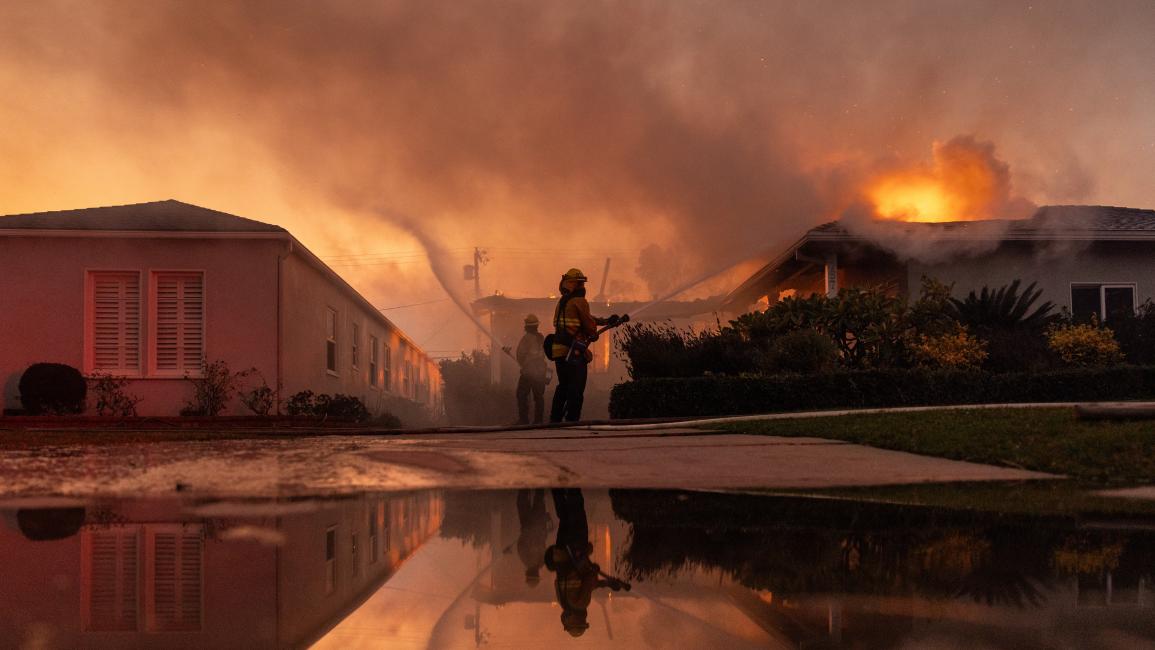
(534,373)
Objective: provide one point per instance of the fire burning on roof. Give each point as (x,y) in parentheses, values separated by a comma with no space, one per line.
(965,181)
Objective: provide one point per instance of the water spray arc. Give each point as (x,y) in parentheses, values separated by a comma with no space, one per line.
(441,263)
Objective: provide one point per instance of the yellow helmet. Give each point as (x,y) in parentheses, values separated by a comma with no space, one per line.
(531,319)
(574,274)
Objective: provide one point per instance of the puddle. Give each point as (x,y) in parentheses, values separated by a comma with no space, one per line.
(572,568)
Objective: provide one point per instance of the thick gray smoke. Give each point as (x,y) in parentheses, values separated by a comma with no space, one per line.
(712,131)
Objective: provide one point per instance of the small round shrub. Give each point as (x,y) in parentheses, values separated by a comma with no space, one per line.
(804,351)
(955,349)
(52,389)
(1085,345)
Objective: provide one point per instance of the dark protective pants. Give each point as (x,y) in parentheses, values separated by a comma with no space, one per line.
(571,388)
(525,386)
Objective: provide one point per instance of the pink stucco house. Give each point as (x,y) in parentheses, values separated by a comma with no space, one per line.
(148,291)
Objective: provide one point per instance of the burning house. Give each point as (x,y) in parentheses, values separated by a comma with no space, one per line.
(1091,260)
(152,291)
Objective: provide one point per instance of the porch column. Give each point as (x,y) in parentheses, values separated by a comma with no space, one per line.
(831,275)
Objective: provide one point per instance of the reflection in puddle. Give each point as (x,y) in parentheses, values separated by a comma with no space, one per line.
(539,568)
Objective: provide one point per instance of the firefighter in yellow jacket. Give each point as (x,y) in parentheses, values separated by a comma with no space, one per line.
(574,329)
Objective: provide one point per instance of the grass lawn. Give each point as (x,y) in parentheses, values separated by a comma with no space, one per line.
(1047,440)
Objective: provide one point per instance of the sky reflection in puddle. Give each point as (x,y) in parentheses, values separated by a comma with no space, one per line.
(541,568)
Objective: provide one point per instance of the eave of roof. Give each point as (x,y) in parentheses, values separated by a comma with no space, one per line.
(1049,223)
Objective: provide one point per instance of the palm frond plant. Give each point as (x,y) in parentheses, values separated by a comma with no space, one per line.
(1005,308)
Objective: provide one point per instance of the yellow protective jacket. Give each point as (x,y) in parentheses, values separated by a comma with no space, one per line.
(576,321)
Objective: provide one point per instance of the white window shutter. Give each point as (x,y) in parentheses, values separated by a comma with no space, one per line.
(180,322)
(115,322)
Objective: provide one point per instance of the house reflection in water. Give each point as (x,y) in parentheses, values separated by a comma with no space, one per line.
(183,573)
(708,570)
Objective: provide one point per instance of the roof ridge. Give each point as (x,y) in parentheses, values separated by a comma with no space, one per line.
(101,207)
(163,215)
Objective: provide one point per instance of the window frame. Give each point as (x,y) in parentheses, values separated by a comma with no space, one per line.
(89,337)
(331,572)
(387,367)
(153,329)
(332,338)
(1103,286)
(355,346)
(374,361)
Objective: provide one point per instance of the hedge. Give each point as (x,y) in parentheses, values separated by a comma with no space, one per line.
(727,395)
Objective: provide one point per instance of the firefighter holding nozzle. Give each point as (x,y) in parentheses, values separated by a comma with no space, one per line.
(575,328)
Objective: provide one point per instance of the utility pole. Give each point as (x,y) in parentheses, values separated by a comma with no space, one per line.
(473,272)
(495,359)
(478,259)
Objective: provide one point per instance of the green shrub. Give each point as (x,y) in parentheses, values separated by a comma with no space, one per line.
(112,396)
(259,398)
(1084,344)
(470,397)
(52,389)
(804,351)
(718,395)
(213,389)
(951,349)
(663,350)
(309,404)
(1136,334)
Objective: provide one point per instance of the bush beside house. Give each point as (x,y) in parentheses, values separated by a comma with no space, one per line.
(865,348)
(720,395)
(52,389)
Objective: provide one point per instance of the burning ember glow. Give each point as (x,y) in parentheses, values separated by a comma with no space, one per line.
(964,182)
(912,199)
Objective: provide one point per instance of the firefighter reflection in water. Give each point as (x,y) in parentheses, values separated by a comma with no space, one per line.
(535,526)
(569,558)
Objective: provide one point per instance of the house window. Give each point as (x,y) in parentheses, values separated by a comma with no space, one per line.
(178,323)
(331,340)
(330,560)
(354,556)
(387,381)
(110,576)
(173,580)
(374,523)
(1103,301)
(356,345)
(373,356)
(112,332)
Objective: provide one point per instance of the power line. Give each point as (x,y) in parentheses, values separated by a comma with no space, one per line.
(413,304)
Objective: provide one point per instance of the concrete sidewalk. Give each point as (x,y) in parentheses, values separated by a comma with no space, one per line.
(670,457)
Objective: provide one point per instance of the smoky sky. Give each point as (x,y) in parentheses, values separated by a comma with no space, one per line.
(712,130)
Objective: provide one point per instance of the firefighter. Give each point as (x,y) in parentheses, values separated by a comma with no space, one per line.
(574,329)
(534,372)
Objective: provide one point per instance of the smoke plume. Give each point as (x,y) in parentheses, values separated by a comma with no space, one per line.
(550,131)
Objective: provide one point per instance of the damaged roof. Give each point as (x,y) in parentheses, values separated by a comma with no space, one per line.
(1058,220)
(156,216)
(1048,223)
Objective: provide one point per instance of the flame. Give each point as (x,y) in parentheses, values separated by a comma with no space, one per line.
(964,181)
(913,199)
